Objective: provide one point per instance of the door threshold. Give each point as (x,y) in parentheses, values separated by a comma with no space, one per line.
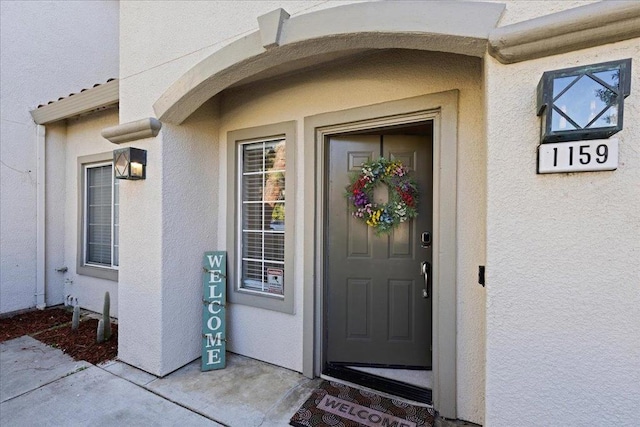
(378,392)
(377,384)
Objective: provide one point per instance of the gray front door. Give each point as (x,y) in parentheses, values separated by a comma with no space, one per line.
(376,312)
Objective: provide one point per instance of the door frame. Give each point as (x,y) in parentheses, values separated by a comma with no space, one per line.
(442,109)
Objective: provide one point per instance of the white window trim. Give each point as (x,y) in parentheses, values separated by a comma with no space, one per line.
(235,139)
(85,189)
(82,267)
(240,230)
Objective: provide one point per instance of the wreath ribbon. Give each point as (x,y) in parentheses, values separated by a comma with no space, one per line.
(403,195)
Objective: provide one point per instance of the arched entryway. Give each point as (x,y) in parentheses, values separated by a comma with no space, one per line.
(284,45)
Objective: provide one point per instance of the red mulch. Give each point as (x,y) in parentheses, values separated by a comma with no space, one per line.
(81,344)
(32,322)
(53,327)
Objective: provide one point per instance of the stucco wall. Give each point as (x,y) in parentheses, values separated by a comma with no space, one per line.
(159,42)
(36,66)
(272,336)
(190,183)
(162,40)
(83,139)
(523,10)
(529,292)
(55,194)
(563,287)
(165,276)
(140,284)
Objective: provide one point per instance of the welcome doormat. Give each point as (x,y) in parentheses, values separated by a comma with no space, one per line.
(337,405)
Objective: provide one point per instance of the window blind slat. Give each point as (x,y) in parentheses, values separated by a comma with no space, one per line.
(102,215)
(263,214)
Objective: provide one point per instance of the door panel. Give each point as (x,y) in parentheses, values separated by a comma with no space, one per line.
(359,316)
(402,242)
(400,310)
(374,307)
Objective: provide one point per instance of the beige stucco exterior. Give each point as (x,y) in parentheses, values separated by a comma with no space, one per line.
(81,140)
(369,80)
(38,66)
(561,250)
(486,89)
(373,77)
(553,338)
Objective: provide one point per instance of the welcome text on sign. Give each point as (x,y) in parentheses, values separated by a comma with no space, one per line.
(214,313)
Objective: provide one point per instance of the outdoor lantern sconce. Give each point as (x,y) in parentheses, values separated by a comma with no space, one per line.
(583,102)
(130,163)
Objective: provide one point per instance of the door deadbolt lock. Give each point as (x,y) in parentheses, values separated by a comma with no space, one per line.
(425,239)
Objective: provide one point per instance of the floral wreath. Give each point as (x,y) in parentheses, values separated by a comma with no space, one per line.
(403,200)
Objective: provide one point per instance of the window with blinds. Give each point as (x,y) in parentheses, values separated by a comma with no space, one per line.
(262,213)
(101,216)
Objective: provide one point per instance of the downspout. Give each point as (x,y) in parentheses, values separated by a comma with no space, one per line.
(41,302)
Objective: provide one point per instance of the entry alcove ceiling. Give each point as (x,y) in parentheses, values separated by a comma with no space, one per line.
(305,64)
(419,128)
(283,45)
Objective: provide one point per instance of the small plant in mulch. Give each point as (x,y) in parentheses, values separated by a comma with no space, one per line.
(54,327)
(104,325)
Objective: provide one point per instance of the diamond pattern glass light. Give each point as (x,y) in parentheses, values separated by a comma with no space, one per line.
(583,102)
(129,163)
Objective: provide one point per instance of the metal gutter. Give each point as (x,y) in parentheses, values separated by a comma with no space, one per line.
(41,301)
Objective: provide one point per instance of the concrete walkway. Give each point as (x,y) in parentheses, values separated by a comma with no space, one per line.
(40,385)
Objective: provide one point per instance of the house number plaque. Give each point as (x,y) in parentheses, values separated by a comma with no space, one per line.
(214,324)
(578,156)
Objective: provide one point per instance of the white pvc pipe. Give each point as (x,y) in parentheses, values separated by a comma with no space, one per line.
(41,302)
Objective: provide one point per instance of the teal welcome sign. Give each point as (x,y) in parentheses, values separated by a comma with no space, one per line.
(214,323)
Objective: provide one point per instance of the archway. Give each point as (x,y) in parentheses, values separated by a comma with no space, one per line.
(283,44)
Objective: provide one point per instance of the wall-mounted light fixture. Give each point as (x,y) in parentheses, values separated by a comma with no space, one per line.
(130,163)
(585,102)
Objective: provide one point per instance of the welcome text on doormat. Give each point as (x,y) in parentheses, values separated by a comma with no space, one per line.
(335,404)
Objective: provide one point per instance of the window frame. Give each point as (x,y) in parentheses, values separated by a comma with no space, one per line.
(243,204)
(82,267)
(236,294)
